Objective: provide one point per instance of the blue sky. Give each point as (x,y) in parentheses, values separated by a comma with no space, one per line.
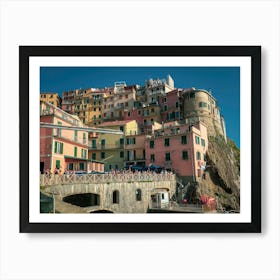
(224,83)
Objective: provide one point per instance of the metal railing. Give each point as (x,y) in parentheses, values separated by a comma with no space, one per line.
(49,180)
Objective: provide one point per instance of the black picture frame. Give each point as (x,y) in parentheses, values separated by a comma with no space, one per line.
(254,52)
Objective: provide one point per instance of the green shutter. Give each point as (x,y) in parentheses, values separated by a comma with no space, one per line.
(75,151)
(61,148)
(57,163)
(55,147)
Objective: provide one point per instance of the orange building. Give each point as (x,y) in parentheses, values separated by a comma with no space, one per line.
(51,97)
(62,148)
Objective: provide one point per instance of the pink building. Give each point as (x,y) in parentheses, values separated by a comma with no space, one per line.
(180,148)
(63,148)
(171,105)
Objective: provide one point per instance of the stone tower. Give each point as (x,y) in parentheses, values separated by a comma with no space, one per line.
(200,105)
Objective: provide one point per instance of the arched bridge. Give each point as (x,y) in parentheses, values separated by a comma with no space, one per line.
(106,193)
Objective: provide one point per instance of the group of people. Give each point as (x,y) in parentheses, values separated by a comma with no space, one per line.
(57,171)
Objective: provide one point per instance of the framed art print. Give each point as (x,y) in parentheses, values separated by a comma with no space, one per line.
(140,138)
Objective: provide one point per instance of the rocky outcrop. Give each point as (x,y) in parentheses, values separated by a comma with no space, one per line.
(221,180)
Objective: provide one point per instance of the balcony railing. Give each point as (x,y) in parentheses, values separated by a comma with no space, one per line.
(50,180)
(106,146)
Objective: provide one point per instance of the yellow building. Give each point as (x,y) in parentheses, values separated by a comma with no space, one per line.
(110,148)
(51,97)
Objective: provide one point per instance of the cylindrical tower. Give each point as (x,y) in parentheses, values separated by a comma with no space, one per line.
(199,104)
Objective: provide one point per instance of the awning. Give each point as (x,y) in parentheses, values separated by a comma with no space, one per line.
(75,158)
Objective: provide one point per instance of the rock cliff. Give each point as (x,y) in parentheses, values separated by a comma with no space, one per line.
(221,179)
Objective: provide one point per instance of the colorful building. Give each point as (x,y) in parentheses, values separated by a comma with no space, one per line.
(135,150)
(51,97)
(62,149)
(200,104)
(110,148)
(68,101)
(180,148)
(172,106)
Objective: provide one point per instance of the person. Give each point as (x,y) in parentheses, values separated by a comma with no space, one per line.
(55,171)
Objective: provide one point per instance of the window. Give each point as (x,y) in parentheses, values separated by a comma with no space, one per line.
(192,95)
(183,139)
(203,142)
(198,156)
(138,195)
(103,142)
(152,158)
(197,140)
(177,104)
(59,130)
(70,166)
(84,138)
(93,143)
(83,153)
(166,142)
(75,135)
(185,155)
(152,144)
(128,114)
(75,151)
(139,112)
(116,195)
(82,165)
(167,157)
(121,141)
(57,164)
(202,104)
(121,128)
(165,107)
(121,154)
(130,141)
(102,155)
(93,156)
(58,147)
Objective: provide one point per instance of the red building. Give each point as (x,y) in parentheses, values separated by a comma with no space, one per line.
(180,148)
(171,106)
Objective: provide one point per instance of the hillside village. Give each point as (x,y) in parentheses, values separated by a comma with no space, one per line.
(154,127)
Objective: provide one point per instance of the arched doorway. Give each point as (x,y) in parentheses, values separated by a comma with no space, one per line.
(83,200)
(102,211)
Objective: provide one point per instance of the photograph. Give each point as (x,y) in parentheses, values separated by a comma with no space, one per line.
(139,139)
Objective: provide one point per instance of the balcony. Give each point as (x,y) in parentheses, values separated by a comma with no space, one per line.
(99,146)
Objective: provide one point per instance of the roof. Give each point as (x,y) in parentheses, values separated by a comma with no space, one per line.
(116,123)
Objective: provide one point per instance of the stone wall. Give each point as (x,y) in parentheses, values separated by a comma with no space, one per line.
(127,194)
